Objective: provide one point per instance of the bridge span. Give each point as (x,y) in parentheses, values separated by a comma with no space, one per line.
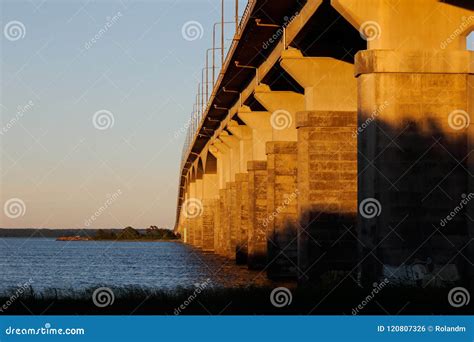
(337,140)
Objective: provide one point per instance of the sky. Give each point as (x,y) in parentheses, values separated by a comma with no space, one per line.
(59,165)
(93,120)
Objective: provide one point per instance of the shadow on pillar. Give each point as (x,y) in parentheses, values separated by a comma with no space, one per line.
(416,204)
(327,248)
(282,256)
(419,176)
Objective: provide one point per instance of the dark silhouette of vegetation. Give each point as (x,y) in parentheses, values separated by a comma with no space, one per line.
(129,234)
(339,300)
(105,234)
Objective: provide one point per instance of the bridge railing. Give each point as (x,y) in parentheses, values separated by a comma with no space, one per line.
(203,98)
(202,107)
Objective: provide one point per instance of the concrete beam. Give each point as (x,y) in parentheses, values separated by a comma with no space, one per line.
(283,105)
(408,24)
(329,83)
(262,131)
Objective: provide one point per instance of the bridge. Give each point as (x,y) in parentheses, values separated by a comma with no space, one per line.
(336,137)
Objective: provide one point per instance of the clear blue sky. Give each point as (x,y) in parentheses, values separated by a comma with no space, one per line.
(141,70)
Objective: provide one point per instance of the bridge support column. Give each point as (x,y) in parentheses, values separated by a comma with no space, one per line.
(190,213)
(242,143)
(224,168)
(198,218)
(256,181)
(327,164)
(257,239)
(282,214)
(282,189)
(210,205)
(415,136)
(234,150)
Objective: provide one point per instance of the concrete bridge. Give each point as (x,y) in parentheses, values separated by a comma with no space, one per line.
(337,139)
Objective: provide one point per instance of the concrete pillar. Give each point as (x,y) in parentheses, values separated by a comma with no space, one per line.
(414,93)
(282,214)
(221,227)
(243,134)
(210,204)
(255,185)
(257,235)
(190,213)
(198,218)
(233,146)
(281,180)
(327,164)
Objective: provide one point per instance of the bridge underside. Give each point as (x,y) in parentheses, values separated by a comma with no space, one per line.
(349,152)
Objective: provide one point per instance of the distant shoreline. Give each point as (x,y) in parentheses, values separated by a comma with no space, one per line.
(73,238)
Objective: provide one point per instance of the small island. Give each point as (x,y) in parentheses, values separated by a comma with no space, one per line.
(127,234)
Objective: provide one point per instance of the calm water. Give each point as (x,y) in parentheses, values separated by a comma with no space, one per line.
(81,264)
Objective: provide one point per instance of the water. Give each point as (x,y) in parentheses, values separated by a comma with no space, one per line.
(83,264)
